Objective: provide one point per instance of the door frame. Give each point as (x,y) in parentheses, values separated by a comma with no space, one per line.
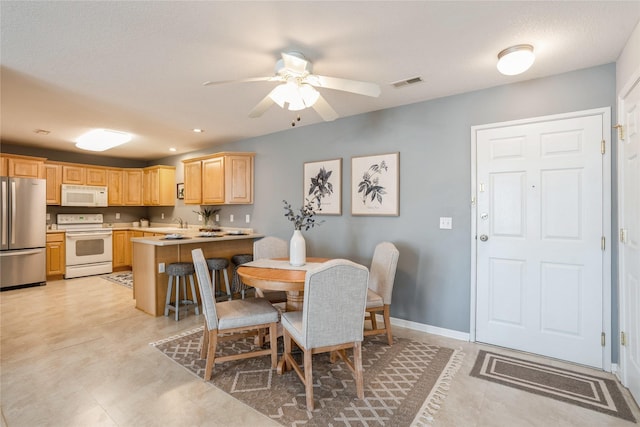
(622,315)
(605,113)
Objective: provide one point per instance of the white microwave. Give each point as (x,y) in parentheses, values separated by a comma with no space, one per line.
(84,195)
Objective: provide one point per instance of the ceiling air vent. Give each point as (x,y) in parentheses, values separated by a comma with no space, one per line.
(407,82)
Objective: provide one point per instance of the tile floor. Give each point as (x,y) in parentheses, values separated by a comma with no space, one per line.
(76,353)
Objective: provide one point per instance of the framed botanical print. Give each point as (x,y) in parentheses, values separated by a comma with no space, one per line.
(375,185)
(323,180)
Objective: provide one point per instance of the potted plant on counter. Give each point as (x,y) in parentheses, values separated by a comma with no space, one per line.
(207,214)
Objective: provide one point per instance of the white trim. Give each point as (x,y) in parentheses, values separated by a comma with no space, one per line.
(605,112)
(435,330)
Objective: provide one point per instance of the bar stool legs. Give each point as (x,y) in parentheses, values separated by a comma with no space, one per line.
(178,270)
(238,260)
(217,265)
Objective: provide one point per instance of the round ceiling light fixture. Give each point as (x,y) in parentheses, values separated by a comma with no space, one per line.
(516,59)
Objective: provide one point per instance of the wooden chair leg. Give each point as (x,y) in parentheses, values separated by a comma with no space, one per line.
(387,324)
(205,343)
(211,354)
(358,371)
(286,354)
(308,379)
(273,342)
(374,321)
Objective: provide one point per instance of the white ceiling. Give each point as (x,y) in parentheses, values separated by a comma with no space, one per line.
(68,67)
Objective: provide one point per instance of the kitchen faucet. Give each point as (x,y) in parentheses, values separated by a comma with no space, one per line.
(179,221)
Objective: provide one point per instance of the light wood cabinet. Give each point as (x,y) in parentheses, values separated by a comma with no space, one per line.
(96,176)
(223,178)
(159,185)
(121,249)
(132,187)
(193,182)
(53,175)
(21,166)
(55,255)
(73,174)
(115,187)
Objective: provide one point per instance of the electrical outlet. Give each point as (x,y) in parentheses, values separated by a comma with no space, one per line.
(117,215)
(231,218)
(446,223)
(161,267)
(162,216)
(217,218)
(247,218)
(199,217)
(48,217)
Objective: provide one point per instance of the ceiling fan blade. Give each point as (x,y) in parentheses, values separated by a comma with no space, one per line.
(354,86)
(262,106)
(325,111)
(294,63)
(250,79)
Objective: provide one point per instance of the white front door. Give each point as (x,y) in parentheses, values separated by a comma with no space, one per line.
(539,226)
(629,249)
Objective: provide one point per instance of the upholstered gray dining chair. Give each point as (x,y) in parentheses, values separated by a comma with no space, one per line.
(332,319)
(381,278)
(271,247)
(233,319)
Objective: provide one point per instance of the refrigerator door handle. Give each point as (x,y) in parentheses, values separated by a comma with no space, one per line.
(20,253)
(13,212)
(5,224)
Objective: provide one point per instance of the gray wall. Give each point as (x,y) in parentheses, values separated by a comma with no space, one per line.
(433,138)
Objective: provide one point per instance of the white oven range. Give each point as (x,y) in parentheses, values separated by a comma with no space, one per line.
(88,245)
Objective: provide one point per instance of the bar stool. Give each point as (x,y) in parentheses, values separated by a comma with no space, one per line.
(178,270)
(238,260)
(217,265)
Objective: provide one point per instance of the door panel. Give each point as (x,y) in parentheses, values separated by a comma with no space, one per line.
(539,270)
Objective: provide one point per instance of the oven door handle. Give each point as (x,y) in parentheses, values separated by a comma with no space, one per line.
(80,235)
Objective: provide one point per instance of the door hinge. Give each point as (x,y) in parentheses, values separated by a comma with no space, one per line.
(603,243)
(603,339)
(623,235)
(620,131)
(603,146)
(623,338)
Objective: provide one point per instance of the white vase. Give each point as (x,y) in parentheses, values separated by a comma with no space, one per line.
(297,249)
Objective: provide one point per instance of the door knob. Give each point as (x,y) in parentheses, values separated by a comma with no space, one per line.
(484,237)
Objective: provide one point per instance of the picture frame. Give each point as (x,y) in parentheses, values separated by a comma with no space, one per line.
(324,179)
(375,185)
(180,190)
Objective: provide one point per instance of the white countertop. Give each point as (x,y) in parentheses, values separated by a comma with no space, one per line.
(189,238)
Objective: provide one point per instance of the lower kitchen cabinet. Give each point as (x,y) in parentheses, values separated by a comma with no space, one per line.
(121,250)
(55,256)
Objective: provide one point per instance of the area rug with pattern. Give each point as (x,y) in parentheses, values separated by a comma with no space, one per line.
(589,391)
(404,383)
(125,278)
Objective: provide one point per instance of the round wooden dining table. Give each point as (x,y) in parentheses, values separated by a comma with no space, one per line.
(276,279)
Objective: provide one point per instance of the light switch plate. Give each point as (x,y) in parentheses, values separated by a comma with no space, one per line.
(117,215)
(446,222)
(247,218)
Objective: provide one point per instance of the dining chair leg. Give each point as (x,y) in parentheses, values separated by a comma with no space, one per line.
(205,343)
(308,378)
(273,342)
(387,324)
(286,354)
(358,372)
(211,354)
(374,321)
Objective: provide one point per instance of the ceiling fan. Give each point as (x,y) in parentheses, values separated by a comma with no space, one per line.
(297,88)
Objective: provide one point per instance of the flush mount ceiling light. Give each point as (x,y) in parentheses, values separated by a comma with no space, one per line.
(102,139)
(516,59)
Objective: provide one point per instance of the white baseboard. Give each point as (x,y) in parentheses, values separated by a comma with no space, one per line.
(449,333)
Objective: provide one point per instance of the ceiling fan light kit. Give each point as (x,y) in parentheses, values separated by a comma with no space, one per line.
(516,59)
(297,90)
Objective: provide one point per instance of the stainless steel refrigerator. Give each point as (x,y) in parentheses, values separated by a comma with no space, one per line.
(23,232)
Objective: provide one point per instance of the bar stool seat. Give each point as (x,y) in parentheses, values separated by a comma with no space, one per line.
(178,270)
(237,260)
(217,265)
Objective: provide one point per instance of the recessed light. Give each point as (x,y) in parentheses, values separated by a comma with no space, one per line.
(197,130)
(42,131)
(172,149)
(102,139)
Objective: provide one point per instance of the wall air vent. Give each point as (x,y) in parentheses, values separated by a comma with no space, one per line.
(407,82)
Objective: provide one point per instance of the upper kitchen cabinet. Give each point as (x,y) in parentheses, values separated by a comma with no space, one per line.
(132,187)
(21,166)
(84,175)
(222,178)
(115,187)
(53,174)
(159,183)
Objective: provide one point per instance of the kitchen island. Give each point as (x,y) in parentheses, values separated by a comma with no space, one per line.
(151,255)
